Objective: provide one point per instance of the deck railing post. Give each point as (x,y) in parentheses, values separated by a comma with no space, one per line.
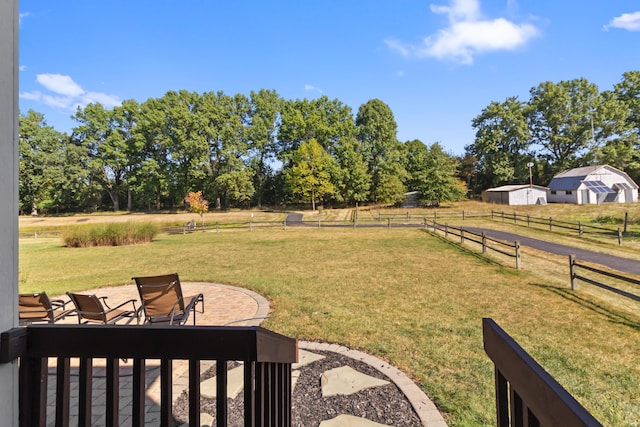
(572,272)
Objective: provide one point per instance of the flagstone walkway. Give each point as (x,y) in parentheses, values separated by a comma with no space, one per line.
(227,305)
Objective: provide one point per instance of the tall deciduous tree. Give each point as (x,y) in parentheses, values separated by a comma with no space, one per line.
(433,173)
(562,119)
(310,176)
(354,181)
(262,130)
(381,150)
(106,148)
(41,162)
(501,143)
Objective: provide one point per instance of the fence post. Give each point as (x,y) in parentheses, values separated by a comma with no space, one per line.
(528,220)
(446,229)
(491,214)
(435,216)
(318,222)
(217,227)
(550,223)
(580,228)
(461,236)
(425,223)
(626,218)
(484,243)
(388,223)
(502,216)
(518,254)
(284,225)
(619,236)
(572,272)
(463,214)
(251,225)
(514,218)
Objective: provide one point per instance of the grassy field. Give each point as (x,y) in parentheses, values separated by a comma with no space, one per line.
(403,295)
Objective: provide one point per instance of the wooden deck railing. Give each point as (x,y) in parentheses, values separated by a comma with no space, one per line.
(267,358)
(526,395)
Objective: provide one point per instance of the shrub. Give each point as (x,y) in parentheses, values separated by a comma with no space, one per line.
(111,234)
(608,219)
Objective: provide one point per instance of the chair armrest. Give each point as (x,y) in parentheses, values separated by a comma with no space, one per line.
(194,300)
(59,303)
(133,301)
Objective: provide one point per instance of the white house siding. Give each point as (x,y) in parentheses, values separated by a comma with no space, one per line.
(561,196)
(9,197)
(516,195)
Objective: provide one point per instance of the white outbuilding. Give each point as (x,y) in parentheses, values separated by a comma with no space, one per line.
(593,185)
(523,194)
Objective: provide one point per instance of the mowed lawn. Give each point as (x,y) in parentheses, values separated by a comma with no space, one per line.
(402,295)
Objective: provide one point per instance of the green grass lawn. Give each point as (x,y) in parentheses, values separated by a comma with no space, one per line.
(402,295)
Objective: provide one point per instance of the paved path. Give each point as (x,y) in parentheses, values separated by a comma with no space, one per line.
(228,305)
(617,263)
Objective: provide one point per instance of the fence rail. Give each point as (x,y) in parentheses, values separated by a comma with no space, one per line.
(495,245)
(578,227)
(574,276)
(526,395)
(267,358)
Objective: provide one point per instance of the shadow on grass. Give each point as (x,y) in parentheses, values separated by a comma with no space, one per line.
(611,314)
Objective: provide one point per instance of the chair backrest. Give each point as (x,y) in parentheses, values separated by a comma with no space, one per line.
(89,307)
(160,295)
(35,307)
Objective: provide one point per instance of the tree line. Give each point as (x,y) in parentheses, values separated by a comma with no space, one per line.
(563,125)
(238,150)
(263,150)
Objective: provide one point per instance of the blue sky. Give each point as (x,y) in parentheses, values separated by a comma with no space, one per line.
(436,64)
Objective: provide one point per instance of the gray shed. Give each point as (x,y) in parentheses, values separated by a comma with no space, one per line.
(523,194)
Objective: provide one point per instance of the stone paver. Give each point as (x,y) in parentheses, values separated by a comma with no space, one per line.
(346,380)
(349,421)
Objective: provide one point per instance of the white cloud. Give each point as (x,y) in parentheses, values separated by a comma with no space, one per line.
(67,94)
(22,68)
(61,84)
(398,46)
(468,34)
(626,21)
(311,88)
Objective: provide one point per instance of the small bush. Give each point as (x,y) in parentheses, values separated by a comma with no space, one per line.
(608,219)
(112,234)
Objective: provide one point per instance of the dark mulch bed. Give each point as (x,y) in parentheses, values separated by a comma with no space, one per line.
(384,405)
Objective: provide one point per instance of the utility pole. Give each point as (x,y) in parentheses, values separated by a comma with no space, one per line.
(530,165)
